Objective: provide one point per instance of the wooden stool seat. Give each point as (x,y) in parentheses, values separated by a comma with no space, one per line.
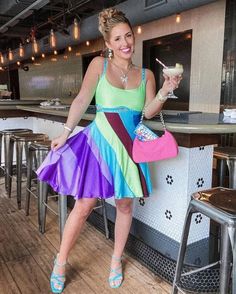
(224,152)
(224,199)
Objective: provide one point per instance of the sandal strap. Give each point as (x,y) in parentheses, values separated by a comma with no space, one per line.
(115,270)
(59,279)
(116,258)
(115,278)
(57,276)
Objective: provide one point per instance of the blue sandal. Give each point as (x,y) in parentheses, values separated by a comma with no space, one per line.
(57,281)
(118,275)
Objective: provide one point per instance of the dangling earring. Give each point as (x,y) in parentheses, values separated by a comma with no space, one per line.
(110,53)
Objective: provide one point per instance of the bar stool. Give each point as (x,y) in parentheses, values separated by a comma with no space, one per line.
(5,137)
(41,149)
(219,204)
(20,141)
(226,157)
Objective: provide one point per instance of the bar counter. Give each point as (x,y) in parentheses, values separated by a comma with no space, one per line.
(176,121)
(158,220)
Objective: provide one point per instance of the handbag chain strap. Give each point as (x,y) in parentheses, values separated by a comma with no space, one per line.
(161,118)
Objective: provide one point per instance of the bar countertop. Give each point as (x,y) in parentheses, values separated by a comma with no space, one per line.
(9,104)
(176,121)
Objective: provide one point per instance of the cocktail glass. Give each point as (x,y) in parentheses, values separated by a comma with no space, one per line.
(172,71)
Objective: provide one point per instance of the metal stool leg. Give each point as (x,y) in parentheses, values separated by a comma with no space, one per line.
(1,149)
(225,261)
(19,151)
(9,169)
(182,250)
(104,212)
(42,194)
(29,179)
(42,209)
(62,212)
(7,156)
(222,172)
(232,236)
(232,173)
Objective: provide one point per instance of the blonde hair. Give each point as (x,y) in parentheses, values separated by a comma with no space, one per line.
(108,19)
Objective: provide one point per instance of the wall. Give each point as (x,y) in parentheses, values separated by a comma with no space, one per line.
(58,76)
(207,24)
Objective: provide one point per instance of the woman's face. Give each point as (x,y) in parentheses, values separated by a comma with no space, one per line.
(121,41)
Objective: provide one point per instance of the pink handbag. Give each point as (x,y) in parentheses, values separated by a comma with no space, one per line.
(147,146)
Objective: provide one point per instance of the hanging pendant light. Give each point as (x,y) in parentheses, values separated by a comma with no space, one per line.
(139,30)
(35,46)
(1,58)
(52,39)
(10,55)
(76,30)
(178,18)
(21,50)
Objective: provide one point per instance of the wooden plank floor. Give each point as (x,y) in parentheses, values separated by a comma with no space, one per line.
(26,257)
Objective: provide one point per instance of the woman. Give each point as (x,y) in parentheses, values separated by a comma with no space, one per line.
(122,89)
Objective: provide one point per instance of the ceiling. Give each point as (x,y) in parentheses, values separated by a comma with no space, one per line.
(22,20)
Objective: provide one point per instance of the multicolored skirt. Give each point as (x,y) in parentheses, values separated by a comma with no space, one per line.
(97,161)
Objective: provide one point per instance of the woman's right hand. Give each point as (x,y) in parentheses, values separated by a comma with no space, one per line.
(58,142)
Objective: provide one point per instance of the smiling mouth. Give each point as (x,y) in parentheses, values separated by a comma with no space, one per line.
(126,50)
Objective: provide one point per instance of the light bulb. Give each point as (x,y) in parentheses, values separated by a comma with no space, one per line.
(10,55)
(139,30)
(1,58)
(76,31)
(35,46)
(18,63)
(87,43)
(43,55)
(52,39)
(33,59)
(69,49)
(178,18)
(21,50)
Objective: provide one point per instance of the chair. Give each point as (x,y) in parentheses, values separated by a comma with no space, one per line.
(5,138)
(219,204)
(40,149)
(21,141)
(226,156)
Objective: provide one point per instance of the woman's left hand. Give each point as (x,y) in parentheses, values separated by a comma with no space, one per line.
(170,83)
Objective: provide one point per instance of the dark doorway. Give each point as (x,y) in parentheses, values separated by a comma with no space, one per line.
(171,49)
(86,59)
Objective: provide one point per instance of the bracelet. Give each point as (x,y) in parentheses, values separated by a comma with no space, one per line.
(67,128)
(161,98)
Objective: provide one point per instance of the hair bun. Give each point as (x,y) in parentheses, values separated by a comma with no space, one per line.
(107,18)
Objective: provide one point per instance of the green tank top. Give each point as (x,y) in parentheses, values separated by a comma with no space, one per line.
(109,96)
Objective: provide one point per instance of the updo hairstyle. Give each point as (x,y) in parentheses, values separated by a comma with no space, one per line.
(108,19)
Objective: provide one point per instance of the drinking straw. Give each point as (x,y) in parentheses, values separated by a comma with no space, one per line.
(161,63)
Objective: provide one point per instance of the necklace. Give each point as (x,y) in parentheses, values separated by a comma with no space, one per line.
(124,76)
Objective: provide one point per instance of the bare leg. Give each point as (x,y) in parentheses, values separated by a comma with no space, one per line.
(73,227)
(122,228)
